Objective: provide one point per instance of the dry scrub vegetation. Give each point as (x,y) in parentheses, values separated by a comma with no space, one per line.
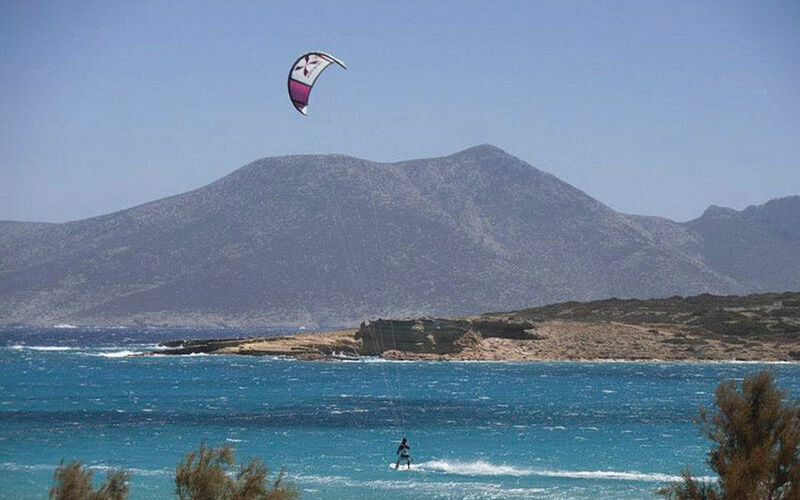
(203,474)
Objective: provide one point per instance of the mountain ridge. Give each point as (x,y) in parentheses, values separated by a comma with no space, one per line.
(329,239)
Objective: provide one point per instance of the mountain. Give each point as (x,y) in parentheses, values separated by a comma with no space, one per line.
(331,239)
(759,246)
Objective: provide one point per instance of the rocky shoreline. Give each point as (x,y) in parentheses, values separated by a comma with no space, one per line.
(704,328)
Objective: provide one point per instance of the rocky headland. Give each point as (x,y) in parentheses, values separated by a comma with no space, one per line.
(764,327)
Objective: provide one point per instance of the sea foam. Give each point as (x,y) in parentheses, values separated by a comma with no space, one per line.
(446,489)
(16,467)
(484,468)
(118,354)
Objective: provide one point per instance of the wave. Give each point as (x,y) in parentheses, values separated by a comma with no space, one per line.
(15,467)
(19,347)
(134,470)
(118,354)
(112,352)
(354,410)
(483,468)
(453,489)
(376,359)
(162,353)
(104,352)
(64,326)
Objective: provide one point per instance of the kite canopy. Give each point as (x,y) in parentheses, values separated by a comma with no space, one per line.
(305,71)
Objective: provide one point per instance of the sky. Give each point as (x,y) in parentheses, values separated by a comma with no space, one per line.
(654,108)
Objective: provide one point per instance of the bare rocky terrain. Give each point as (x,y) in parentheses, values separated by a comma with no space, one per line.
(763,327)
(328,240)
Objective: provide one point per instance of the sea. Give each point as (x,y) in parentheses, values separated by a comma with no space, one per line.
(554,430)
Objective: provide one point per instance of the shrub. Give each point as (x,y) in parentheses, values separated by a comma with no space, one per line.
(756,434)
(74,482)
(690,489)
(207,474)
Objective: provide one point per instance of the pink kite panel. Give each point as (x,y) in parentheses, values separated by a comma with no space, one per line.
(299,93)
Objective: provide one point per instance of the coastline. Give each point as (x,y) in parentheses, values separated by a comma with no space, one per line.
(502,340)
(754,328)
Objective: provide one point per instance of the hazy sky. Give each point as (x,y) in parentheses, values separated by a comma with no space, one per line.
(657,108)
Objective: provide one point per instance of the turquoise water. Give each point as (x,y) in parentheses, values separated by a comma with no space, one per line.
(477,430)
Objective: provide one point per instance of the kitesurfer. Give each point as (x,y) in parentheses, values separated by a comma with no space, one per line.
(403,453)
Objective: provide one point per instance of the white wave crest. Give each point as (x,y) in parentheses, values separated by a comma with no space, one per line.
(375,359)
(49,348)
(118,354)
(15,467)
(483,468)
(430,489)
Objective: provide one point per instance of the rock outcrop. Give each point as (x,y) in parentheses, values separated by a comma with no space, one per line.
(435,336)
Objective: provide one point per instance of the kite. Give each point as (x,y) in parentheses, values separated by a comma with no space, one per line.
(304,73)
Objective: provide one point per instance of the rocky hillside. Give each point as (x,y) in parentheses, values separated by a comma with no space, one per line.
(330,240)
(770,315)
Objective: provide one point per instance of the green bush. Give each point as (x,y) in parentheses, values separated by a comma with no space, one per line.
(755,432)
(208,474)
(74,482)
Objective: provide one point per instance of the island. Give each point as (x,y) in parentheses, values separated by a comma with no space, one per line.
(759,327)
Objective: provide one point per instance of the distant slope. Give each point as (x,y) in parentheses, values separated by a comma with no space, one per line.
(330,239)
(759,246)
